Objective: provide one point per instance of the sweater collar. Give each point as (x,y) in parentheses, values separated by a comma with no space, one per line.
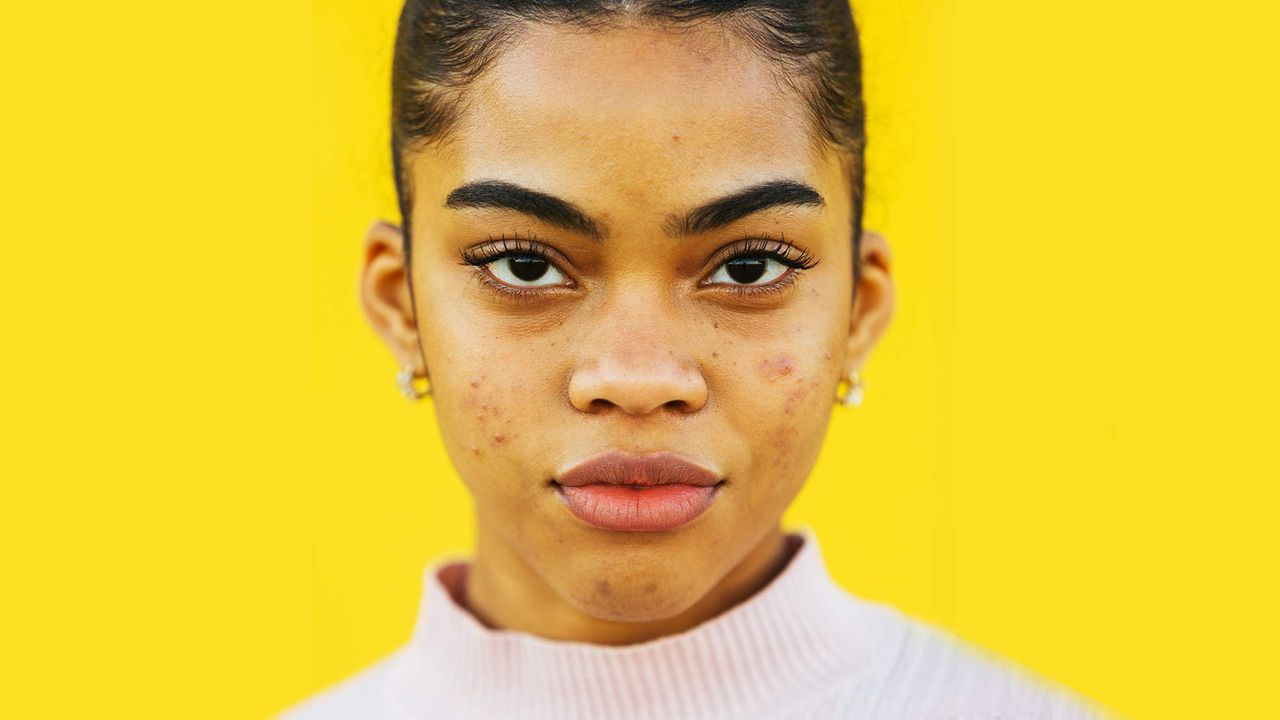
(797,636)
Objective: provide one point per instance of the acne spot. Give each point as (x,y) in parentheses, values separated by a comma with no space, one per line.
(773,369)
(796,395)
(475,384)
(603,589)
(715,354)
(675,137)
(475,451)
(499,438)
(826,354)
(716,324)
(651,588)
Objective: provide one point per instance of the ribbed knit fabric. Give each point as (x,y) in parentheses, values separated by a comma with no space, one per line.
(802,647)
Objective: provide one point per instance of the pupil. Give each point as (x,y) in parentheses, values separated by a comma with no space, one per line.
(527,268)
(746,270)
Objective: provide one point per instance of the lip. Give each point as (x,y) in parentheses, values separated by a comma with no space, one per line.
(637,493)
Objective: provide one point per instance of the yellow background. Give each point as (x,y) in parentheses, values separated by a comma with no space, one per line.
(215,502)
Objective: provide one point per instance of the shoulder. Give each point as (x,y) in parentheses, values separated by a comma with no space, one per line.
(362,695)
(929,672)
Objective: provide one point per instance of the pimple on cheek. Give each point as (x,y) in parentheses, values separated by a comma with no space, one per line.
(774,369)
(799,394)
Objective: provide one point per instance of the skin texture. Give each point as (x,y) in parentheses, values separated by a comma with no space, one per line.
(635,351)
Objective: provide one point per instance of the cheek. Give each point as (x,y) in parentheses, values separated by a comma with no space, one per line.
(488,410)
(485,407)
(477,409)
(494,395)
(789,394)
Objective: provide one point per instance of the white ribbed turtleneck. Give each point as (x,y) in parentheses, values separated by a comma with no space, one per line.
(801,647)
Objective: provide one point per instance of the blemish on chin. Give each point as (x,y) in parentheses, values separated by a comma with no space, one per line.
(499,438)
(475,451)
(774,369)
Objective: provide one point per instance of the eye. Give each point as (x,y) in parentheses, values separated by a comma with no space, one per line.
(760,264)
(516,266)
(525,271)
(749,270)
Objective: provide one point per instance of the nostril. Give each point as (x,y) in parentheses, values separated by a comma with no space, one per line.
(603,405)
(678,405)
(599,404)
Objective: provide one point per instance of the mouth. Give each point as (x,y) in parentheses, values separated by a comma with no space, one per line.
(637,493)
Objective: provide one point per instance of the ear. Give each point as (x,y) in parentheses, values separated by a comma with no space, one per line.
(873,302)
(384,294)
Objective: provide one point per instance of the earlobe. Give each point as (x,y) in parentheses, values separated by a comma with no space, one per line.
(874,300)
(384,292)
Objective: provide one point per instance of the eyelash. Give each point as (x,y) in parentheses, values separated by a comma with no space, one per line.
(776,250)
(503,246)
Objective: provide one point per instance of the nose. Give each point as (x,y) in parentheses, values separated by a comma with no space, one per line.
(636,386)
(636,369)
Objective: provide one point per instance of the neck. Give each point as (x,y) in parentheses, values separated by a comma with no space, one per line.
(502,591)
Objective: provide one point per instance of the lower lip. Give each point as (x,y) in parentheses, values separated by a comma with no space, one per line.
(648,509)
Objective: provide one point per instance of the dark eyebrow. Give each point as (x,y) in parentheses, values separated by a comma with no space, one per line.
(722,211)
(509,196)
(705,218)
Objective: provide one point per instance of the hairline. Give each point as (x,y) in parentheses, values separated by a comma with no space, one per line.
(728,25)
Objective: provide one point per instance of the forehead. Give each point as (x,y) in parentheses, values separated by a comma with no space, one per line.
(635,113)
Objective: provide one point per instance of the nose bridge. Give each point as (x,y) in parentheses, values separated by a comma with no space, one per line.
(636,359)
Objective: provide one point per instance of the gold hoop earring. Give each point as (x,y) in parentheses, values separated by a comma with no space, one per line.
(405,378)
(851,395)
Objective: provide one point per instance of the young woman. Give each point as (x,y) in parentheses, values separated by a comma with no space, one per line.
(632,272)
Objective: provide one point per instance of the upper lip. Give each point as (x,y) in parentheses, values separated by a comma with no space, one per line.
(621,468)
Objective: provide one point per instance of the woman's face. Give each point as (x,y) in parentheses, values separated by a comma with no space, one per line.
(632,332)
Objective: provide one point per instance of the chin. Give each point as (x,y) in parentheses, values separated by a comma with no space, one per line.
(633,599)
(634,587)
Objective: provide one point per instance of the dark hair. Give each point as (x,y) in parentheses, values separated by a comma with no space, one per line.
(443,45)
